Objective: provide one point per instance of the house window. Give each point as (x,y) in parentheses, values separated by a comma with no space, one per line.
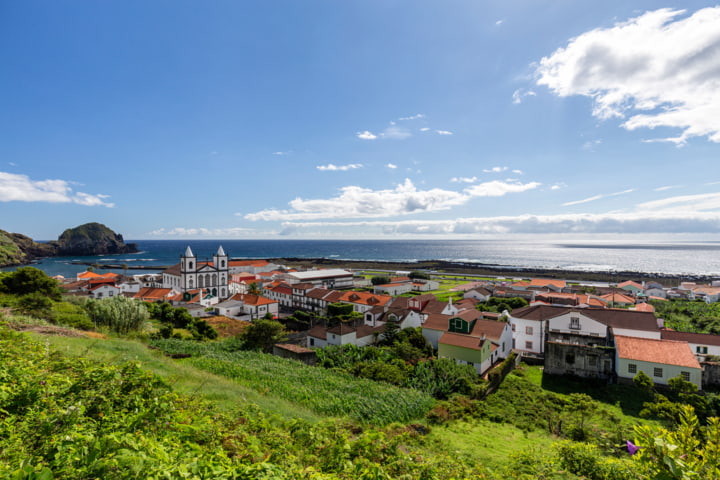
(632,368)
(592,361)
(657,372)
(513,327)
(702,350)
(685,376)
(528,345)
(528,330)
(575,323)
(312,342)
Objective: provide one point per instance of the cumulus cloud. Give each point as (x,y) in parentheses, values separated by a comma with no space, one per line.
(20,188)
(282,154)
(405,199)
(656,70)
(425,129)
(366,135)
(391,166)
(464,179)
(495,170)
(648,222)
(338,168)
(443,132)
(597,197)
(517,171)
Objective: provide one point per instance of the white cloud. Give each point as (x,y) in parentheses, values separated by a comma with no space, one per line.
(681,214)
(495,170)
(425,129)
(464,179)
(658,70)
(413,117)
(517,171)
(20,188)
(391,166)
(667,187)
(497,188)
(499,22)
(443,132)
(597,197)
(339,168)
(366,135)
(405,199)
(396,133)
(646,222)
(281,154)
(558,186)
(519,95)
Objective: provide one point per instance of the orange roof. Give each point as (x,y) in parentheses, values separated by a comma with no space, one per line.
(86,275)
(250,299)
(630,283)
(151,293)
(248,263)
(667,352)
(544,282)
(365,298)
(618,298)
(644,307)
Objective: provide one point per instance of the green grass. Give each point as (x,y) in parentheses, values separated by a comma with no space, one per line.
(184,378)
(486,442)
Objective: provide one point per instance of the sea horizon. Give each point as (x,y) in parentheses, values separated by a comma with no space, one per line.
(686,256)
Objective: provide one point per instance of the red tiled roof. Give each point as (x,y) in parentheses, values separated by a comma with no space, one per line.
(248,263)
(151,293)
(460,340)
(630,283)
(667,352)
(250,299)
(365,298)
(543,282)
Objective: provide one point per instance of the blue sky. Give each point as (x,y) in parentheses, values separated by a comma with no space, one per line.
(348,119)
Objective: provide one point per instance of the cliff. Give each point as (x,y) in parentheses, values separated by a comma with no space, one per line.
(92,239)
(84,240)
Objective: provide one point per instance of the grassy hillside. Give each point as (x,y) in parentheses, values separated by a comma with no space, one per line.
(10,253)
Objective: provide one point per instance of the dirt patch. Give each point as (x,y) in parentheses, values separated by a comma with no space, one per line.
(54,330)
(225,326)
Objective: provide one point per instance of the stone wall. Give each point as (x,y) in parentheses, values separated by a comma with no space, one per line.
(580,360)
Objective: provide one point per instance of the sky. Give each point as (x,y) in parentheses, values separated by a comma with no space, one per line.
(251,119)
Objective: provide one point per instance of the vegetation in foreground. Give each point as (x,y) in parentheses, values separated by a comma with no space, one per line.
(69,417)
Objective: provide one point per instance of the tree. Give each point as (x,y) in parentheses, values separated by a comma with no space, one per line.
(419,274)
(35,304)
(254,289)
(120,314)
(262,335)
(643,382)
(27,280)
(380,280)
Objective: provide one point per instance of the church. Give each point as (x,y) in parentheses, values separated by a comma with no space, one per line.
(211,277)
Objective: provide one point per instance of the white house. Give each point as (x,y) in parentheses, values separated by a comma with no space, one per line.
(104,290)
(702,344)
(319,336)
(480,294)
(660,360)
(393,288)
(330,278)
(253,306)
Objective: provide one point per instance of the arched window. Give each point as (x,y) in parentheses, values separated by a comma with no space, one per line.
(214,280)
(207,279)
(222,292)
(191,283)
(190,265)
(200,281)
(222,263)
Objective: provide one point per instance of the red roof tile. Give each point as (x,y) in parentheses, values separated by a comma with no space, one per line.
(667,352)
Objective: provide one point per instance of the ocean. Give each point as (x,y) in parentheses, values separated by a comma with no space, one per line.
(676,257)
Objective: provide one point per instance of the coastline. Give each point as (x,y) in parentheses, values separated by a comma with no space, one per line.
(480,269)
(450,267)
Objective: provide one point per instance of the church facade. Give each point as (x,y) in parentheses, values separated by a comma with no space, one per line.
(191,275)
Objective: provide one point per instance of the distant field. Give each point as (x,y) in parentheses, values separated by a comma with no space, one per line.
(323,391)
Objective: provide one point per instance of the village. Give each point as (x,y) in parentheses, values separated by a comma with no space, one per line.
(607,332)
